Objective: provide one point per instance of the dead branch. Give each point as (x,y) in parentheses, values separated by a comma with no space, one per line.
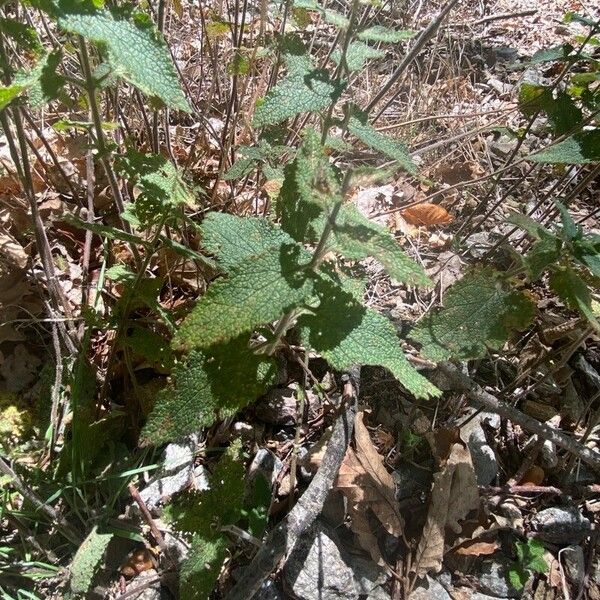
(462,382)
(282,539)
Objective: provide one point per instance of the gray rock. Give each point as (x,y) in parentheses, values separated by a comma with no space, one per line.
(493,579)
(175,474)
(267,463)
(317,569)
(378,593)
(429,589)
(484,457)
(561,525)
(153,592)
(574,562)
(279,407)
(268,591)
(480,596)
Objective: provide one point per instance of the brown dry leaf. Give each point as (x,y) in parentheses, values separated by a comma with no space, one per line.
(478,548)
(534,476)
(454,494)
(12,251)
(367,485)
(426,214)
(141,560)
(398,224)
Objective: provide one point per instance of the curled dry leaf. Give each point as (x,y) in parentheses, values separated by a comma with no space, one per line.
(367,485)
(426,214)
(12,251)
(478,548)
(454,494)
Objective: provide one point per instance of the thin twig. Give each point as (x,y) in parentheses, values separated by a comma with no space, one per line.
(480,396)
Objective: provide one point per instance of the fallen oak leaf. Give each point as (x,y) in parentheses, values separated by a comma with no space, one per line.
(368,486)
(475,548)
(426,214)
(454,494)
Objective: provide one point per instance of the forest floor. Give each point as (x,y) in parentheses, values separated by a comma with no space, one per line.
(443,499)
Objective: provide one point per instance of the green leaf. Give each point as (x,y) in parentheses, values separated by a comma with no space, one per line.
(208,386)
(563,113)
(24,36)
(357,55)
(572,290)
(87,560)
(570,230)
(257,291)
(151,346)
(136,51)
(578,149)
(235,239)
(587,252)
(551,54)
(311,184)
(41,82)
(356,238)
(303,89)
(201,515)
(329,16)
(378,33)
(8,93)
(543,254)
(160,186)
(367,134)
(517,576)
(479,312)
(346,333)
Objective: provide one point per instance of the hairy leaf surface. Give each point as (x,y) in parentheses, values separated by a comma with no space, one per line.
(201,516)
(479,312)
(579,149)
(357,55)
(346,333)
(358,126)
(356,237)
(136,51)
(303,89)
(235,239)
(209,385)
(257,291)
(87,559)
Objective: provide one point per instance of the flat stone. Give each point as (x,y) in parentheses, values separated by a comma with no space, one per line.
(574,562)
(318,569)
(561,525)
(493,579)
(482,454)
(429,589)
(175,474)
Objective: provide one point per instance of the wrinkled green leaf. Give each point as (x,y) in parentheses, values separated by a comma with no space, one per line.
(235,239)
(160,186)
(24,36)
(303,89)
(357,55)
(479,312)
(208,386)
(257,291)
(201,515)
(356,238)
(87,561)
(574,292)
(136,51)
(542,254)
(578,149)
(346,333)
(367,134)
